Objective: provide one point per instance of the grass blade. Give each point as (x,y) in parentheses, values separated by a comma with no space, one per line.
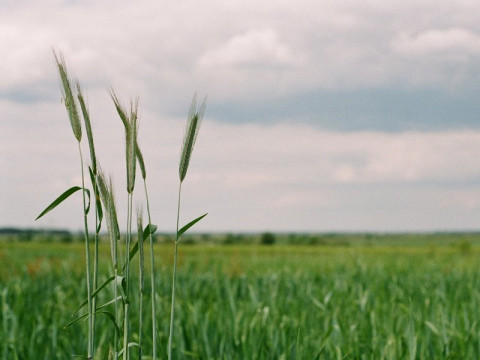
(108,281)
(189,225)
(59,200)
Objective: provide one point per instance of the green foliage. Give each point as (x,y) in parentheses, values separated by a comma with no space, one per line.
(65,195)
(267,239)
(244,302)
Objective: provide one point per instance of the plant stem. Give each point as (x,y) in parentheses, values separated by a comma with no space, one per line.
(152,279)
(140,323)
(115,294)
(174,281)
(95,260)
(87,256)
(4,321)
(126,324)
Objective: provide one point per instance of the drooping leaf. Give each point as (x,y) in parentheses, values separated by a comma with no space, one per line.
(107,313)
(122,285)
(98,202)
(130,344)
(108,281)
(88,204)
(112,318)
(59,200)
(189,225)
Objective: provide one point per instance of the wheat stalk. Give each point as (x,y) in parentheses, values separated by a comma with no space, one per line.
(141,164)
(71,106)
(195,115)
(129,120)
(141,281)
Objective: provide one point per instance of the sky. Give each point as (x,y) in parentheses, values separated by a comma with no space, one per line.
(321,115)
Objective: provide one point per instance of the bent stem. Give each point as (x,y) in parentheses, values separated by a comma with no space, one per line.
(152,278)
(174,281)
(91,330)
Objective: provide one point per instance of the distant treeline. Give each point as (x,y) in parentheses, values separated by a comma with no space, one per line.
(265,238)
(17,231)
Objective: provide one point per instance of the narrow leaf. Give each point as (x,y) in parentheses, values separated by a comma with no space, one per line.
(122,283)
(59,200)
(75,320)
(141,162)
(189,225)
(133,252)
(149,229)
(130,344)
(109,302)
(108,281)
(88,205)
(96,192)
(112,318)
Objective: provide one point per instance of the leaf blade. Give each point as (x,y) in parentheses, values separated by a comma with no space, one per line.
(59,200)
(189,225)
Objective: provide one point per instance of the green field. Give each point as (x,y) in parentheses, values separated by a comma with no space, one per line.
(364,301)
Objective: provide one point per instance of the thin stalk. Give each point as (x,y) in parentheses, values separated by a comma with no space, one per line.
(174,281)
(115,294)
(141,281)
(152,278)
(93,173)
(87,257)
(126,324)
(5,324)
(95,264)
(140,325)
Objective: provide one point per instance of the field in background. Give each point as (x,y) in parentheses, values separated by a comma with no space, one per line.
(351,297)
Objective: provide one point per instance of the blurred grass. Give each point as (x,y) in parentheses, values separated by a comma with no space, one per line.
(261,302)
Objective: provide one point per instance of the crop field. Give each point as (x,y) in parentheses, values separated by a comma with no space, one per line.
(393,301)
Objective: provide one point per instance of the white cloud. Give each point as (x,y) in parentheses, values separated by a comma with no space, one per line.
(458,42)
(250,176)
(154,50)
(255,48)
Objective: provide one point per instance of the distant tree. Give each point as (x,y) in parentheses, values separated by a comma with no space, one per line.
(25,236)
(229,239)
(66,238)
(267,238)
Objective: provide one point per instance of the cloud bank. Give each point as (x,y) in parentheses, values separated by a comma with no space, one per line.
(320,116)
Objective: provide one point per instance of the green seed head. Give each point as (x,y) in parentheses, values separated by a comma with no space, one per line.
(108,200)
(68,98)
(131,129)
(195,115)
(88,127)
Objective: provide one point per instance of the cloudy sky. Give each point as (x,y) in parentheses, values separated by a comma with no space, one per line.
(322,115)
